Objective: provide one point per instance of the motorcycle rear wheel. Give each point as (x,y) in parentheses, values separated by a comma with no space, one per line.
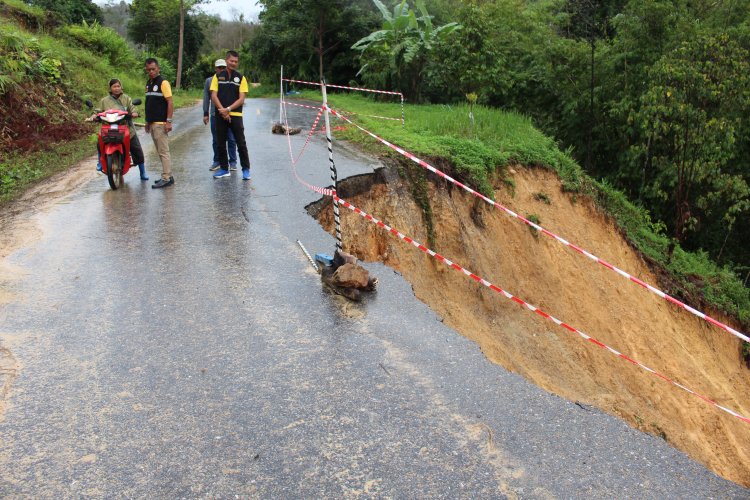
(114,170)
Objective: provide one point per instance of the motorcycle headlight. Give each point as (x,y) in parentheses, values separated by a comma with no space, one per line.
(112,117)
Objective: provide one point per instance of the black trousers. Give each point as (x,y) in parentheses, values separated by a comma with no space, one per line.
(136,151)
(238,129)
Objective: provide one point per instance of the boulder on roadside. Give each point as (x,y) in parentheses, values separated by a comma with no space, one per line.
(351,276)
(278,128)
(346,277)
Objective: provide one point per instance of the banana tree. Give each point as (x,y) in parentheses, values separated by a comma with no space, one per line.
(396,54)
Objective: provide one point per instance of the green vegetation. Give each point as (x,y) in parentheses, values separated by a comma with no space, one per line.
(70,11)
(309,38)
(496,139)
(20,171)
(397,53)
(536,220)
(543,197)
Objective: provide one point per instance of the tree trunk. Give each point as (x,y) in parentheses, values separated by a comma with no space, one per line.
(723,245)
(589,139)
(178,81)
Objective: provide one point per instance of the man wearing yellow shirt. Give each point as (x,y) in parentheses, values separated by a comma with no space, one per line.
(228,89)
(159,110)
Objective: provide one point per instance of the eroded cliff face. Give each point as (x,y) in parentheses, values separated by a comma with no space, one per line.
(570,287)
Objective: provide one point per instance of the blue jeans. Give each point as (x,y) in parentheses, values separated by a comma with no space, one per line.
(231,145)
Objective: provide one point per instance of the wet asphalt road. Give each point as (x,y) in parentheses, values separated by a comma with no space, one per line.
(176,343)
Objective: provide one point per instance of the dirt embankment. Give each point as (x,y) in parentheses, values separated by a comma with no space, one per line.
(574,289)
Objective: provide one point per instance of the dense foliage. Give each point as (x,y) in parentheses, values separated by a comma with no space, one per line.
(71,11)
(307,36)
(155,25)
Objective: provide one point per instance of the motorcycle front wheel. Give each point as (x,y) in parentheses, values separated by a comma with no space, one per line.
(114,170)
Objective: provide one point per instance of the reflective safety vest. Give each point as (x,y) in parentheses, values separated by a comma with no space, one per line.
(156,103)
(228,84)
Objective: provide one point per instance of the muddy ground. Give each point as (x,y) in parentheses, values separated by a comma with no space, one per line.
(572,288)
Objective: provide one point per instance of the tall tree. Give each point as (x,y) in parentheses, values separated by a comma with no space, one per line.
(160,24)
(590,20)
(688,121)
(310,38)
(185,7)
(116,16)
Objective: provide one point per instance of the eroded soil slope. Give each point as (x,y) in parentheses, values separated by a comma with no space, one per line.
(574,289)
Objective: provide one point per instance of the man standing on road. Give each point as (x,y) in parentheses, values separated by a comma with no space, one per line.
(159,108)
(209,114)
(228,89)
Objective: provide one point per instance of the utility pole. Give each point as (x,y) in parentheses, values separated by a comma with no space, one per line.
(180,46)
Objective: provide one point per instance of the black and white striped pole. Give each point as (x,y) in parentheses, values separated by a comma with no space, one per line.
(281,96)
(336,215)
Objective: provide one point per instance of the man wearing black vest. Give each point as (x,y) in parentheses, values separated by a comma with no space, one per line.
(159,110)
(228,89)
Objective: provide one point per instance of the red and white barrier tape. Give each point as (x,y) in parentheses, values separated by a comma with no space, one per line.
(552,235)
(349,113)
(530,307)
(317,84)
(377,116)
(317,189)
(309,134)
(300,105)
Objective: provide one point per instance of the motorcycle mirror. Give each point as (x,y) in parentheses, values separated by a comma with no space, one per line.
(136,102)
(89,103)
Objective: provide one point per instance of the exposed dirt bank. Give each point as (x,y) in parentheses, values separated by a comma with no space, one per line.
(571,288)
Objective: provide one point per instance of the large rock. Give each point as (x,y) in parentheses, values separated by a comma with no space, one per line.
(278,128)
(351,276)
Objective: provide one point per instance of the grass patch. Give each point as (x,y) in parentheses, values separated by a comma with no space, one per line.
(536,220)
(20,171)
(543,197)
(477,151)
(263,90)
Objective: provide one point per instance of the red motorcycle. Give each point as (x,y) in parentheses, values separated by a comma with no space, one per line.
(114,142)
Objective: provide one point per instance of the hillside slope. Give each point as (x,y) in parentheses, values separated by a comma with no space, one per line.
(575,290)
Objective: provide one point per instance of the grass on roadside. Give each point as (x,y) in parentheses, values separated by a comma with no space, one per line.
(20,171)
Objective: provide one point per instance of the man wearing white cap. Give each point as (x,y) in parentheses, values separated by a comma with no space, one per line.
(208,114)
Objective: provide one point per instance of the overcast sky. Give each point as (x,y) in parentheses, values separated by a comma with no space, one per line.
(224,8)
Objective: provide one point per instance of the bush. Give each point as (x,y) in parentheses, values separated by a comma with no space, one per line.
(101,40)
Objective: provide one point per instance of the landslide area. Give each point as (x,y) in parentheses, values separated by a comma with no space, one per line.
(568,286)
